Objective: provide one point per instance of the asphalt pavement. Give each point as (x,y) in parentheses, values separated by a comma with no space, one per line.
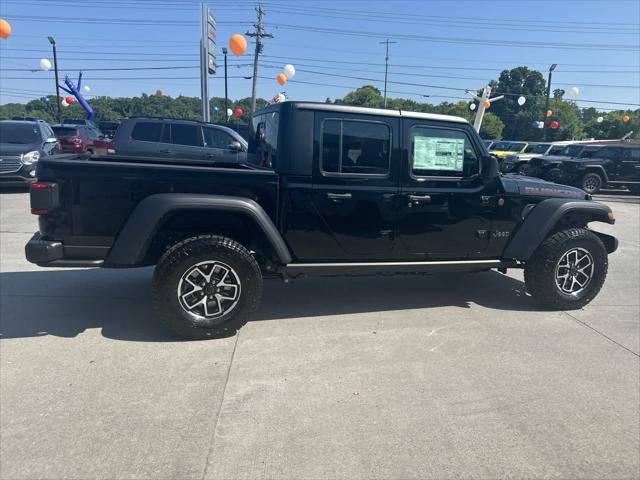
(439,376)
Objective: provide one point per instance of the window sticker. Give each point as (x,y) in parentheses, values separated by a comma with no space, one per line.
(438,153)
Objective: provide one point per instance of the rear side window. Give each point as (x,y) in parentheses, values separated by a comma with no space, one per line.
(441,152)
(183,134)
(355,147)
(633,154)
(147,131)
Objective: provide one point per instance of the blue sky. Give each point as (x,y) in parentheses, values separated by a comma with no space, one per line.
(443,47)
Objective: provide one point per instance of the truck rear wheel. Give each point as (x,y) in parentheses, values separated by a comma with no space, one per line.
(206,287)
(567,270)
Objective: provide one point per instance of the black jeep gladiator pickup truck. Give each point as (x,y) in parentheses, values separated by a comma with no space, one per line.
(332,190)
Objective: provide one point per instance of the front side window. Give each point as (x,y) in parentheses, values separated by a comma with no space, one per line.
(147,131)
(216,138)
(355,148)
(184,134)
(439,152)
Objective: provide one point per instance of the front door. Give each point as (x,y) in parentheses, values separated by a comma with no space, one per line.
(445,206)
(355,185)
(216,146)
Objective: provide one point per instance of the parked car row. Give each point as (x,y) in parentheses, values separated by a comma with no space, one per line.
(591,165)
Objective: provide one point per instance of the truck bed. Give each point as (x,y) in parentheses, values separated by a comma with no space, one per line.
(97,194)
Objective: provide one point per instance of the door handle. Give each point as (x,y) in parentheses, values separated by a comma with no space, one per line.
(336,197)
(419,199)
(165,151)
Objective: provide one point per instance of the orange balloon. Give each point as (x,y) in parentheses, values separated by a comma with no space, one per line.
(237,44)
(486,104)
(281,78)
(5,28)
(549,113)
(158,93)
(626,118)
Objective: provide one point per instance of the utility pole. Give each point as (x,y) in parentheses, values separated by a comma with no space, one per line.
(386,68)
(52,41)
(486,93)
(226,95)
(546,103)
(258,34)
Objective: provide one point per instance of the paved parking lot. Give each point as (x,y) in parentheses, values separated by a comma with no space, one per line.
(436,376)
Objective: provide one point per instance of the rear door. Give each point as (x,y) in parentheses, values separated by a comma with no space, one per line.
(186,141)
(630,171)
(355,184)
(145,141)
(446,208)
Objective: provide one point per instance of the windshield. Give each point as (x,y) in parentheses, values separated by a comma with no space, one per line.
(19,133)
(507,147)
(65,131)
(541,148)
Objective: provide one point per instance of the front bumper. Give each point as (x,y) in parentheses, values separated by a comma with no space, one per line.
(52,253)
(22,175)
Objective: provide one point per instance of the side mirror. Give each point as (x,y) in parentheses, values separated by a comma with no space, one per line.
(235,147)
(490,167)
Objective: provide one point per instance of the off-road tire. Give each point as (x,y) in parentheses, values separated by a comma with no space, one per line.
(182,257)
(591,183)
(540,269)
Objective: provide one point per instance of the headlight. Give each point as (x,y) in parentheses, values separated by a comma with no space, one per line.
(29,158)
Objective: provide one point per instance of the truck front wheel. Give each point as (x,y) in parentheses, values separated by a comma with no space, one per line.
(206,287)
(567,270)
(591,183)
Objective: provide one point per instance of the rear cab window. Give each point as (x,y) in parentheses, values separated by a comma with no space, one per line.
(264,138)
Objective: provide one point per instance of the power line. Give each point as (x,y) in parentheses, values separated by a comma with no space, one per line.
(258,34)
(469,41)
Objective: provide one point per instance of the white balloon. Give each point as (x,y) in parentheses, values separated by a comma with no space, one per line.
(540,124)
(64,103)
(289,71)
(600,119)
(229,112)
(574,91)
(472,106)
(45,64)
(521,100)
(281,98)
(86,88)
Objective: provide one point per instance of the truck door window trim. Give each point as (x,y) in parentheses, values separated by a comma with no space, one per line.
(339,173)
(422,178)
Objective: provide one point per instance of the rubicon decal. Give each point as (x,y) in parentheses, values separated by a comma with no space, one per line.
(553,192)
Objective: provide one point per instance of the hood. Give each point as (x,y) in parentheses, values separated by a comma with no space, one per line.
(536,187)
(16,149)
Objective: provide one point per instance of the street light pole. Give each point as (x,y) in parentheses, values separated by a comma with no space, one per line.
(226,95)
(52,41)
(546,103)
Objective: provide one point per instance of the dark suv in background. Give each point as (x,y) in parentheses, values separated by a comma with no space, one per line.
(546,166)
(108,128)
(612,166)
(22,144)
(163,138)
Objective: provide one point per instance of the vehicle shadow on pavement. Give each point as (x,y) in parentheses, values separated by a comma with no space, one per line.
(66,303)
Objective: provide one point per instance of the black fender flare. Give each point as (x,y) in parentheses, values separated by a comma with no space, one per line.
(132,242)
(599,169)
(544,216)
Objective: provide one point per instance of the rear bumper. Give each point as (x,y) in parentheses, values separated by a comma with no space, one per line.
(52,253)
